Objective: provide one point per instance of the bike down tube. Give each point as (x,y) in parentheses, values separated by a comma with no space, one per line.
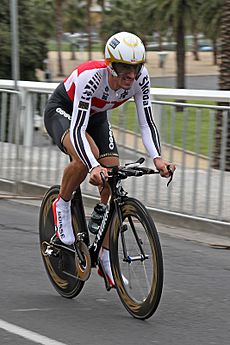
(97,243)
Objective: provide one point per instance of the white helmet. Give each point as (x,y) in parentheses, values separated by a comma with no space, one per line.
(126,48)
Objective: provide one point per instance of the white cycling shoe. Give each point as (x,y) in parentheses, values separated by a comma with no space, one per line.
(104,257)
(63,221)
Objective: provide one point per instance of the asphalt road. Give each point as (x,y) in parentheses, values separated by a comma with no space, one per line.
(195,306)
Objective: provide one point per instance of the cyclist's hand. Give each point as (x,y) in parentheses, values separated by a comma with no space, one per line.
(95,175)
(163,165)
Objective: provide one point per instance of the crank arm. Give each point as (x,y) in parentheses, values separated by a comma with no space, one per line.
(71,275)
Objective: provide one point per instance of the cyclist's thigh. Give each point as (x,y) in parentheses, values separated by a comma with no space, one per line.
(100,130)
(57,123)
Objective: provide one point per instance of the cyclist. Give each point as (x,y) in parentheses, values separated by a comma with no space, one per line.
(76,119)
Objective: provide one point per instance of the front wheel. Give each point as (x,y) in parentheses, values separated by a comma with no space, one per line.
(136,259)
(65,285)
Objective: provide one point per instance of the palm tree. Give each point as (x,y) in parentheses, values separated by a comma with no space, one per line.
(210,17)
(122,16)
(151,21)
(224,84)
(178,14)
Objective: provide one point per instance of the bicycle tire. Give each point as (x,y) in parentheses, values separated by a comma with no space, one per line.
(65,285)
(140,299)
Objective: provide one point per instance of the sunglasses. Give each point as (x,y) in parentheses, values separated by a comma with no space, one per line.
(124,69)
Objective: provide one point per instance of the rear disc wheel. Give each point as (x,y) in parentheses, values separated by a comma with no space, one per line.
(65,285)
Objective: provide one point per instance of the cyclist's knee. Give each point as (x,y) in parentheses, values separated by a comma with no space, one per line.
(78,165)
(109,160)
(72,152)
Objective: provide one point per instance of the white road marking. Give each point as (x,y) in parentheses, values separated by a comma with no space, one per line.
(32,309)
(25,333)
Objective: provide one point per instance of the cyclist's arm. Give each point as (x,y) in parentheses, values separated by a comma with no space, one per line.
(149,131)
(80,118)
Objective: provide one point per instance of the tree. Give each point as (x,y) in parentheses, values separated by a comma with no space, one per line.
(44,18)
(32,45)
(224,84)
(178,14)
(210,18)
(59,33)
(74,14)
(122,16)
(5,41)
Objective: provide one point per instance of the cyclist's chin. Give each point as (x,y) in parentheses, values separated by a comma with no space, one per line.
(126,84)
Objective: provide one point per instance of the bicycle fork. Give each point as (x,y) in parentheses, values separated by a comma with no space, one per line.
(123,228)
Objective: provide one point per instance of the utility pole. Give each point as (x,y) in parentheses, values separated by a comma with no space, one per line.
(14,35)
(89,3)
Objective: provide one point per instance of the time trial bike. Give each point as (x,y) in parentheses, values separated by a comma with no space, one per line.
(135,250)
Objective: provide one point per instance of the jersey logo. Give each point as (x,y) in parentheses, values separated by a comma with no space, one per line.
(124,94)
(91,87)
(83,105)
(63,113)
(87,94)
(114,43)
(145,88)
(105,93)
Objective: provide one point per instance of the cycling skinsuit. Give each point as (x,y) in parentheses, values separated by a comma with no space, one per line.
(80,103)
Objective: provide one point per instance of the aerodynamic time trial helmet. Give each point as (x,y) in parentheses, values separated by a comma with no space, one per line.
(124,48)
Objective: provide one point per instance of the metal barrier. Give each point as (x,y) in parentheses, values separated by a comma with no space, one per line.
(28,155)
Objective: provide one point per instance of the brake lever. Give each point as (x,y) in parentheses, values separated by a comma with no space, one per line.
(103,181)
(170,173)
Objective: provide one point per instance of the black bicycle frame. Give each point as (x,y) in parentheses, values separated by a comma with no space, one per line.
(78,210)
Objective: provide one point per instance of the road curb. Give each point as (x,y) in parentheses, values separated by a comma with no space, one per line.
(161,216)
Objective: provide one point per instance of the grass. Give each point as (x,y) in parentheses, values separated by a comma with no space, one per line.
(191,128)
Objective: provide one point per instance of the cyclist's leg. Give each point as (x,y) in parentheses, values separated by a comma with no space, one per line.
(57,122)
(75,172)
(73,175)
(101,132)
(107,161)
(106,192)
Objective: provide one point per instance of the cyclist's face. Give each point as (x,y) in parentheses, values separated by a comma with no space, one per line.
(126,74)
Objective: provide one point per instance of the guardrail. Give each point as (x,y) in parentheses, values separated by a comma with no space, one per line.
(198,190)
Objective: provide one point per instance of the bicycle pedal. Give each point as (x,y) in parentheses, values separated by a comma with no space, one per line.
(51,251)
(80,237)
